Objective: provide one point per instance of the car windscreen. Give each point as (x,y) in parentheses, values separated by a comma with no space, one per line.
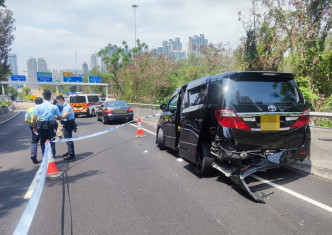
(77,99)
(261,91)
(117,103)
(93,98)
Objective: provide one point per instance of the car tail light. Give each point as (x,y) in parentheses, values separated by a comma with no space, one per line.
(302,120)
(130,110)
(228,118)
(109,111)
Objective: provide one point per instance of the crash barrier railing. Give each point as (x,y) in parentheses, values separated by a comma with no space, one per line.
(157,107)
(27,216)
(150,106)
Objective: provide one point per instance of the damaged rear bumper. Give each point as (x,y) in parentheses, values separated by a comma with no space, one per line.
(238,174)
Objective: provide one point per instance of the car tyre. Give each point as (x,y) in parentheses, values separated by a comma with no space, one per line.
(160,139)
(203,165)
(103,120)
(93,113)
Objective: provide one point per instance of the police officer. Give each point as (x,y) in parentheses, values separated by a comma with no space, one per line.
(35,136)
(46,124)
(68,122)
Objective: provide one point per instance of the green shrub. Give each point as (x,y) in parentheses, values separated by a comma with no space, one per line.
(5,103)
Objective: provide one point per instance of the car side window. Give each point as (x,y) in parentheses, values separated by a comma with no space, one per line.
(173,103)
(185,100)
(215,93)
(197,95)
(93,98)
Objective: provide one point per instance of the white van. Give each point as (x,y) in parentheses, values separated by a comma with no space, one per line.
(84,104)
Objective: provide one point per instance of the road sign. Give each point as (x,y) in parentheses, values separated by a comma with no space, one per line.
(18,78)
(72,79)
(44,77)
(67,74)
(94,79)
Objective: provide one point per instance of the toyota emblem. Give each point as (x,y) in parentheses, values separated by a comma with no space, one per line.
(272,108)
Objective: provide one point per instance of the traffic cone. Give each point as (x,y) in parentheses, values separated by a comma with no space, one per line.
(139,128)
(52,170)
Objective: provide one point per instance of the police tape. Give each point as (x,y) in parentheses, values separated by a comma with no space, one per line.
(100,132)
(23,225)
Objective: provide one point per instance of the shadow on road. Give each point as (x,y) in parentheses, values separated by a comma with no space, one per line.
(11,192)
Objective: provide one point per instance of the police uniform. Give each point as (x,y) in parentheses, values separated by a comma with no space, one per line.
(35,137)
(68,127)
(46,124)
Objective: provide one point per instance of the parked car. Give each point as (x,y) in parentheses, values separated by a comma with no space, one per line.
(19,99)
(115,110)
(84,104)
(237,123)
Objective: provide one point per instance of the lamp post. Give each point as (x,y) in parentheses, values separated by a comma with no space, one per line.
(134,6)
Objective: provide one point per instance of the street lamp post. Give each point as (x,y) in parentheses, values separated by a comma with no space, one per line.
(134,6)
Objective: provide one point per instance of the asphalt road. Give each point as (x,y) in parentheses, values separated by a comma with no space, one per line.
(119,184)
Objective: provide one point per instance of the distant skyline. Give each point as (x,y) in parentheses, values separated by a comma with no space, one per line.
(56,29)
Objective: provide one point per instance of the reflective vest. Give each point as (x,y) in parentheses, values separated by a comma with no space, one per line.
(30,111)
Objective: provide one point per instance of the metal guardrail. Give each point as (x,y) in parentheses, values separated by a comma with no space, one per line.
(150,106)
(157,107)
(320,114)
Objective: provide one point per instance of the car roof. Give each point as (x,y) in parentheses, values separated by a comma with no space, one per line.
(238,74)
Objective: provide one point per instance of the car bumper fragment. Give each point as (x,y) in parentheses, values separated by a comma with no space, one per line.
(237,175)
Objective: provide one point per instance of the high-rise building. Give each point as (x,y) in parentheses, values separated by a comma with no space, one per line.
(195,45)
(85,68)
(12,61)
(93,61)
(32,69)
(42,65)
(171,48)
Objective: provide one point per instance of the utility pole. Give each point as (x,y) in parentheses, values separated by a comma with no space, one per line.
(76,68)
(134,6)
(254,13)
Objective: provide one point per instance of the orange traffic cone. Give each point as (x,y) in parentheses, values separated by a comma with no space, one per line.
(139,128)
(52,170)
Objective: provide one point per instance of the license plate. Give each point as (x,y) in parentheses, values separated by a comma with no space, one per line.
(77,107)
(270,122)
(120,111)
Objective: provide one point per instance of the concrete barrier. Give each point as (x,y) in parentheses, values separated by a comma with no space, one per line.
(320,163)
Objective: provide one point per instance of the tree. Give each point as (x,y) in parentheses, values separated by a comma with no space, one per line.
(2,3)
(115,57)
(148,78)
(13,92)
(6,39)
(307,24)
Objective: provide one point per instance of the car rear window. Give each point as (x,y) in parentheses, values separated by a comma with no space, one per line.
(263,91)
(77,99)
(118,103)
(93,98)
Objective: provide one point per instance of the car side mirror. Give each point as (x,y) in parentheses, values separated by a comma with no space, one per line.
(163,107)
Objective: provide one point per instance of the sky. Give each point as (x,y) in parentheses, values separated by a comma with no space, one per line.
(56,29)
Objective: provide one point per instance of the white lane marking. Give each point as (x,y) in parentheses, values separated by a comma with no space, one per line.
(32,185)
(321,205)
(12,117)
(144,129)
(179,159)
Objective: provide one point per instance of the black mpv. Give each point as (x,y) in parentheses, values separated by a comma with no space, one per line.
(238,123)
